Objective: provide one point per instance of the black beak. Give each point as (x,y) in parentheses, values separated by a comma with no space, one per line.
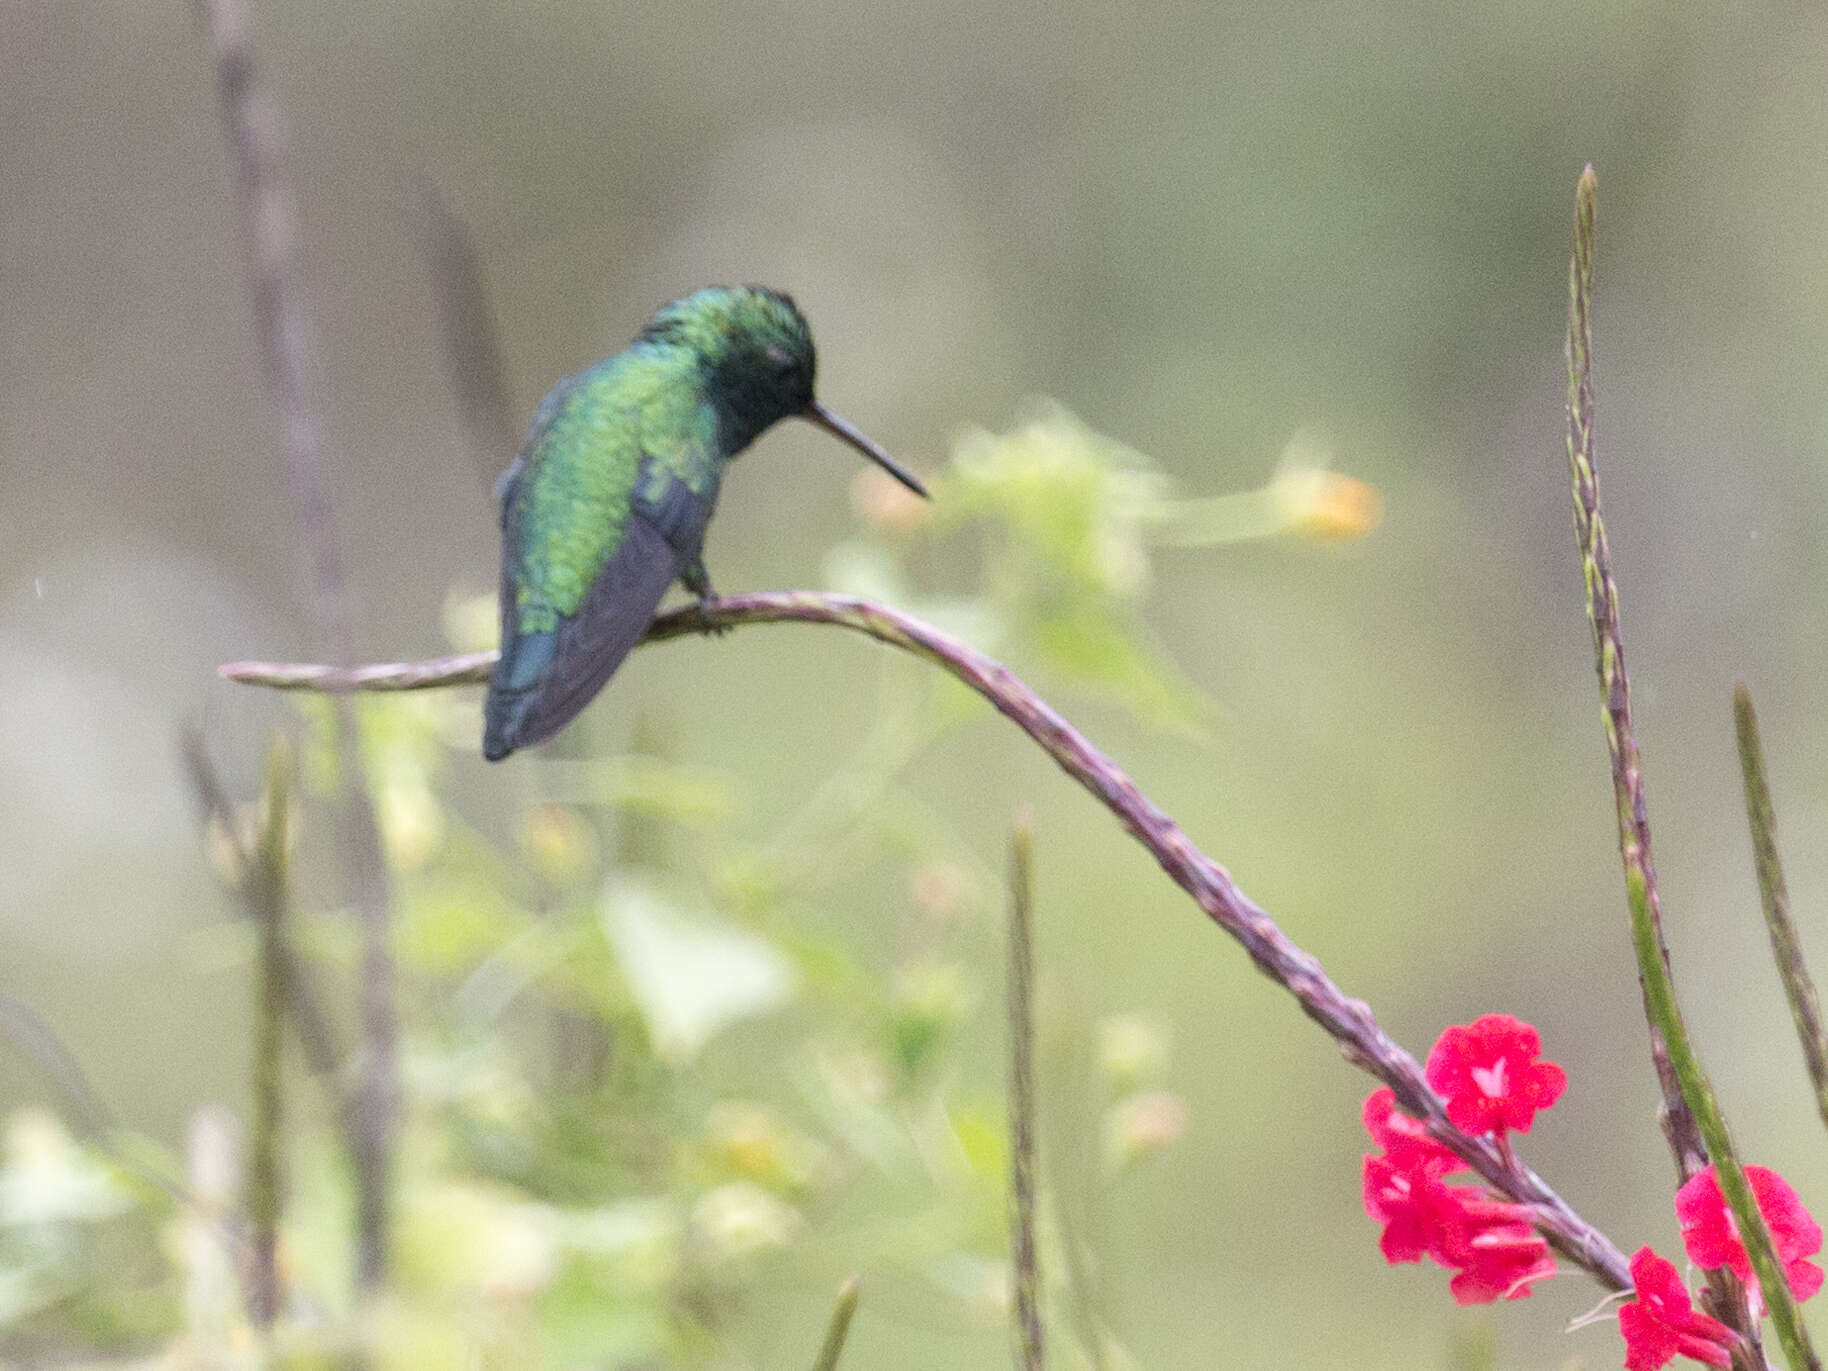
(817,414)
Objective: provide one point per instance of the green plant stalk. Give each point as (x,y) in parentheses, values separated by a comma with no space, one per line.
(1693,1122)
(1660,993)
(1609,650)
(1786,947)
(1022,1096)
(839,1326)
(264,879)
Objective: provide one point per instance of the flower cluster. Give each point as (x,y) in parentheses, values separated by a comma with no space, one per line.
(1488,1073)
(1711,1237)
(1492,1083)
(1660,1324)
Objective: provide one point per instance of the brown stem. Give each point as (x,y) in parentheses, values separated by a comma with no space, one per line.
(316,1034)
(269,224)
(1350,1022)
(1022,1096)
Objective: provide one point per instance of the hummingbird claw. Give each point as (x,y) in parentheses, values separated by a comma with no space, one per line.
(707,602)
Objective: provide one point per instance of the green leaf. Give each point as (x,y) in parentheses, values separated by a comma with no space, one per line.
(1091,648)
(691,974)
(1073,502)
(48,1177)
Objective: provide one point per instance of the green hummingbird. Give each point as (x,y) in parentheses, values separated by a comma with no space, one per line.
(606,505)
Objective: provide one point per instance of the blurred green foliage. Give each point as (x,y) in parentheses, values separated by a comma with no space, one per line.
(1207,227)
(639,1071)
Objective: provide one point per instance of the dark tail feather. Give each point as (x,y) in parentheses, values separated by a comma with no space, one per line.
(545,679)
(513,689)
(501,722)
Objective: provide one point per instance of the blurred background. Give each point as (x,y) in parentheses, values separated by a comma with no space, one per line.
(1216,235)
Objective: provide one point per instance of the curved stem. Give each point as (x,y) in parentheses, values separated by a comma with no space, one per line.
(1350,1022)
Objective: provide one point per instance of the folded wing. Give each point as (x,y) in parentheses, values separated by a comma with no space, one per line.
(544,679)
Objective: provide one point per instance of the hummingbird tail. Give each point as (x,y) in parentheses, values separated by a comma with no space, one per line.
(512,691)
(545,678)
(497,734)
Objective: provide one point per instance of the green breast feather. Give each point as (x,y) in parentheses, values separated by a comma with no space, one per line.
(582,464)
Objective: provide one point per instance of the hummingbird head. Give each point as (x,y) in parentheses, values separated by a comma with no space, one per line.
(755,352)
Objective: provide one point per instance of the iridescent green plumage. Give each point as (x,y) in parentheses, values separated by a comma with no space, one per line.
(608,502)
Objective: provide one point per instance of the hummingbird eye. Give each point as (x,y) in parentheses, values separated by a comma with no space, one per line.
(780,359)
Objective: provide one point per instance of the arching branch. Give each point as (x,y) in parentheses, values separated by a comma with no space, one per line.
(1350,1022)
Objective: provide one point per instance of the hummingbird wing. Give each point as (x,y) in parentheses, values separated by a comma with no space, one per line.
(546,678)
(606,505)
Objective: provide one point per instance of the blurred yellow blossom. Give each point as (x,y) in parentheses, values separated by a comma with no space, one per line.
(472,623)
(558,843)
(1132,1049)
(476,1237)
(49,1177)
(1073,499)
(884,504)
(746,1141)
(739,1220)
(1304,497)
(1141,1125)
(1326,505)
(411,820)
(939,890)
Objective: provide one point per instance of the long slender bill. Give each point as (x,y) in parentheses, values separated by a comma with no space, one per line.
(817,414)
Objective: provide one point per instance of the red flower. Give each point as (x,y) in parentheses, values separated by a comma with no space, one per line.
(1661,1323)
(1488,1073)
(1421,1216)
(1503,1253)
(1490,1243)
(1405,1139)
(1712,1237)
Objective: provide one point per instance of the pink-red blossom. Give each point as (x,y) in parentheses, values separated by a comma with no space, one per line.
(1403,1137)
(1662,1323)
(1711,1235)
(1421,1215)
(1488,1073)
(1501,1254)
(1489,1243)
(1504,1260)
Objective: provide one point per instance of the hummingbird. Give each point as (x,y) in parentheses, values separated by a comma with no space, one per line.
(607,503)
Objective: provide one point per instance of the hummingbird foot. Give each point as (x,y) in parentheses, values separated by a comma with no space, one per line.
(707,602)
(698,581)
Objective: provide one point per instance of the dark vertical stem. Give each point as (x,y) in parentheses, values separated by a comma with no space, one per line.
(270,224)
(466,324)
(264,882)
(316,1035)
(1786,947)
(377,1090)
(1022,1096)
(270,228)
